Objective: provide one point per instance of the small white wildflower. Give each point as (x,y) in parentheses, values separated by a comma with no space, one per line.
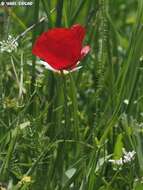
(24,125)
(136,180)
(8,45)
(127,157)
(141,125)
(126,101)
(135,102)
(120,49)
(141,58)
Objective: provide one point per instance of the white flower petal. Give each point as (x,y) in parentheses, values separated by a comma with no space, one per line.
(47,66)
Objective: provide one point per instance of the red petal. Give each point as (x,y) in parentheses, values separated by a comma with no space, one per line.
(78,31)
(59,47)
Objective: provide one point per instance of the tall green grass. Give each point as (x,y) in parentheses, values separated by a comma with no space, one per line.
(59,132)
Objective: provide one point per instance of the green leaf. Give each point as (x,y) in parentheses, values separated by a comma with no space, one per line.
(69,173)
(138,185)
(118,147)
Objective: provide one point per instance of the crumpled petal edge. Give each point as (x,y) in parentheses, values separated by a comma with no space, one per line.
(47,66)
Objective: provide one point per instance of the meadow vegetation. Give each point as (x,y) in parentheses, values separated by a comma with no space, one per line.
(83,130)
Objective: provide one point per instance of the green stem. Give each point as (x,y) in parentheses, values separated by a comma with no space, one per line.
(5,167)
(59,12)
(65,104)
(75,106)
(36,15)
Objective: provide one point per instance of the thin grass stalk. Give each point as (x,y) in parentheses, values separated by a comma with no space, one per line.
(66,14)
(131,53)
(16,18)
(59,12)
(4,170)
(34,34)
(78,10)
(66,112)
(46,8)
(21,76)
(73,94)
(102,54)
(90,178)
(133,57)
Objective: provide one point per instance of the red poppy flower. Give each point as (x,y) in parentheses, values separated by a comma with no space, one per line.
(61,48)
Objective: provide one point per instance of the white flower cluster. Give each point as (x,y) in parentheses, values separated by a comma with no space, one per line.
(8,45)
(127,157)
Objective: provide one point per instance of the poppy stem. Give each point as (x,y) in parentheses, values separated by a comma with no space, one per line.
(74,106)
(65,102)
